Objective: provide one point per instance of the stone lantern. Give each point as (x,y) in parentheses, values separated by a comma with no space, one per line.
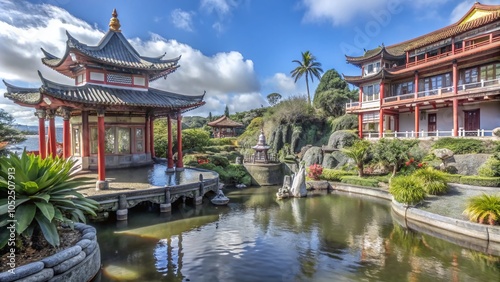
(261,149)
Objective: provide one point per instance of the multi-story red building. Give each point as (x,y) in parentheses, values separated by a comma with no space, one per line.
(444,83)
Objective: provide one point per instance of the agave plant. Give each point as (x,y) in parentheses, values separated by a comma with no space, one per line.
(484,209)
(43,192)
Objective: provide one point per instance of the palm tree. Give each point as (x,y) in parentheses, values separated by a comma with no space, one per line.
(309,67)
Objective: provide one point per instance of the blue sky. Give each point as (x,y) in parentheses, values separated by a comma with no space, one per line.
(238,51)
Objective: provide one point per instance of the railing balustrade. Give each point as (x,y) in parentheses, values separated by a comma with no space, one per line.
(426,134)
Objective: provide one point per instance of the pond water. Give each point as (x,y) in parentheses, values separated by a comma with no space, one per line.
(332,237)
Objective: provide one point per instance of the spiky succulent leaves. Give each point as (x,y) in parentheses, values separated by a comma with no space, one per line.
(45,195)
(484,209)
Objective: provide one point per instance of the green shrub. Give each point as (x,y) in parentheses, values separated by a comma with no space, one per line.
(407,189)
(460,145)
(334,174)
(362,181)
(223,141)
(480,181)
(452,178)
(45,196)
(344,122)
(491,168)
(434,181)
(218,160)
(484,209)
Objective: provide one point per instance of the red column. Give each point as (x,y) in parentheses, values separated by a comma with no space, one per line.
(455,101)
(152,136)
(101,158)
(170,162)
(52,135)
(85,134)
(42,149)
(381,114)
(180,164)
(360,126)
(146,136)
(417,119)
(66,135)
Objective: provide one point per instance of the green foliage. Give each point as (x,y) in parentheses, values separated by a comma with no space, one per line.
(290,110)
(223,141)
(393,152)
(161,137)
(452,178)
(480,181)
(484,209)
(45,196)
(7,132)
(273,98)
(460,145)
(195,139)
(358,152)
(334,174)
(249,137)
(218,160)
(491,168)
(407,189)
(226,111)
(344,122)
(332,94)
(362,181)
(309,67)
(434,181)
(193,122)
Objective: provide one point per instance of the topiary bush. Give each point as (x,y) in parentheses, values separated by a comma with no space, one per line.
(434,181)
(460,145)
(362,181)
(480,181)
(218,160)
(223,141)
(491,168)
(484,209)
(408,190)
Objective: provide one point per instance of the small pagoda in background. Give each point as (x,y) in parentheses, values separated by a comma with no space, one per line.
(261,149)
(224,127)
(108,113)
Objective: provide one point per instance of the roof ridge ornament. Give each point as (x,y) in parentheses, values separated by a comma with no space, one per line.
(114,23)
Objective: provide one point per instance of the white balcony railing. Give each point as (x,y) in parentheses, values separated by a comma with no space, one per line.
(434,134)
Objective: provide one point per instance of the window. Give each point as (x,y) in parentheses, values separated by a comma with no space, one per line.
(76,141)
(469,76)
(123,134)
(431,84)
(371,92)
(139,140)
(93,140)
(116,140)
(371,68)
(403,88)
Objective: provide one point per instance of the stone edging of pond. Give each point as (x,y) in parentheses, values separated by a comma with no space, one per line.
(78,263)
(433,223)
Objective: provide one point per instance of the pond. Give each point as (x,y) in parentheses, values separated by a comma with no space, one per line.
(332,237)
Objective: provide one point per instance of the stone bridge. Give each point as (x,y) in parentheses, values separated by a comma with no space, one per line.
(164,196)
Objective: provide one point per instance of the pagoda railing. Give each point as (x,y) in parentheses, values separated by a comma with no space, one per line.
(429,134)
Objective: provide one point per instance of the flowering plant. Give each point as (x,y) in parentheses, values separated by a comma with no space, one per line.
(203,161)
(315,171)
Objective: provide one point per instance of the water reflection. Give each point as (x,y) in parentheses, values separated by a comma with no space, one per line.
(157,176)
(256,238)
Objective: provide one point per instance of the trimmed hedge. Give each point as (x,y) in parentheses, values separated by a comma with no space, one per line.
(452,178)
(480,181)
(362,181)
(334,174)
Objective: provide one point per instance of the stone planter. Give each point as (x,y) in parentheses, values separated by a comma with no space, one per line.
(78,263)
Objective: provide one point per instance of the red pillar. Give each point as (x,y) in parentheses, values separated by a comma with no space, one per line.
(101,158)
(381,114)
(52,135)
(455,101)
(151,136)
(170,163)
(417,119)
(42,149)
(180,164)
(360,126)
(66,135)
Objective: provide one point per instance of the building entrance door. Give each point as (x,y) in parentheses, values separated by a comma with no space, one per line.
(471,122)
(431,124)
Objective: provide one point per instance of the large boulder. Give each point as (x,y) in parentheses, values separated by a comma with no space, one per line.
(313,155)
(443,153)
(342,138)
(467,164)
(336,160)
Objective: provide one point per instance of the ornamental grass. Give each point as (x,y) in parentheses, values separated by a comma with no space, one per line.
(484,209)
(408,190)
(434,181)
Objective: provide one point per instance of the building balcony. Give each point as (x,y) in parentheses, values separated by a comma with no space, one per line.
(479,133)
(362,106)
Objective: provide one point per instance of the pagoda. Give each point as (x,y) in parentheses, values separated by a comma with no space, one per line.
(224,127)
(108,113)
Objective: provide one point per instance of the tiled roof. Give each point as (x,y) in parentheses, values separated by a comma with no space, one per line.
(98,95)
(224,121)
(435,36)
(113,49)
(30,96)
(358,80)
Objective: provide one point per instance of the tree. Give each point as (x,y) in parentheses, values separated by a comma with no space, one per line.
(394,152)
(210,116)
(8,134)
(273,98)
(226,111)
(358,152)
(308,67)
(333,93)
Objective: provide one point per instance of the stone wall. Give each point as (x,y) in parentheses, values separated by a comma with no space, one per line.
(265,174)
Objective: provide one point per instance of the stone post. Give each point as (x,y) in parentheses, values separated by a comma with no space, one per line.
(167,206)
(122,212)
(198,200)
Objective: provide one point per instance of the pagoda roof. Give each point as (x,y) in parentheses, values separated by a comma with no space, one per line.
(113,50)
(357,80)
(478,15)
(224,121)
(99,95)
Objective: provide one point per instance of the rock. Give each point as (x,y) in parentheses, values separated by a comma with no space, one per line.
(22,271)
(443,153)
(467,164)
(299,188)
(496,132)
(62,256)
(342,138)
(313,156)
(338,159)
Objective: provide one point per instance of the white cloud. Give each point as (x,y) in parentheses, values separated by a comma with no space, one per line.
(220,7)
(182,19)
(24,28)
(282,84)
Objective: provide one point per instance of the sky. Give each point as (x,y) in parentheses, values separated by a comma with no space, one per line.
(238,51)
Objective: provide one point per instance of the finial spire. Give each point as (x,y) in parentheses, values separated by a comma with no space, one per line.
(114,23)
